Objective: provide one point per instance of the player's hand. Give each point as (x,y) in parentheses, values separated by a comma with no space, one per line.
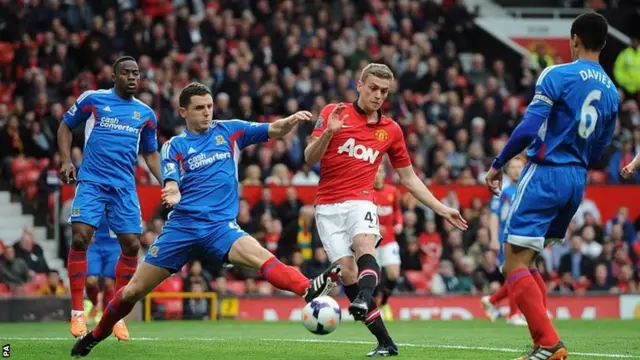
(454,218)
(336,120)
(171,195)
(300,116)
(494,245)
(397,228)
(629,170)
(494,181)
(68,172)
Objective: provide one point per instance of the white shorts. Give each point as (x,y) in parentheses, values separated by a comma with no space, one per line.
(339,223)
(388,254)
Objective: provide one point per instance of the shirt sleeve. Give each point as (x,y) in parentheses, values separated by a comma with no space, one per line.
(80,111)
(149,138)
(170,162)
(398,153)
(549,88)
(249,133)
(495,205)
(321,121)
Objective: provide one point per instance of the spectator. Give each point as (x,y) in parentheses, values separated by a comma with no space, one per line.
(28,250)
(601,280)
(53,286)
(317,265)
(625,70)
(577,265)
(305,176)
(15,271)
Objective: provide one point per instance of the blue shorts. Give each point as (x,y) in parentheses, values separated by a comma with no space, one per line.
(177,245)
(102,259)
(121,205)
(547,198)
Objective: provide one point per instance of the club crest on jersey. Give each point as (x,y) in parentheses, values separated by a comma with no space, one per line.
(220,140)
(136,115)
(390,197)
(319,122)
(75,212)
(381,135)
(153,251)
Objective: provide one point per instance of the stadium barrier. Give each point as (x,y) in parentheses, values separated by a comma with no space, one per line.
(404,307)
(180,296)
(608,198)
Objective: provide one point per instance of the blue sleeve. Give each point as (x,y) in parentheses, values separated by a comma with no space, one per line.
(250,133)
(149,138)
(170,162)
(495,205)
(80,111)
(549,89)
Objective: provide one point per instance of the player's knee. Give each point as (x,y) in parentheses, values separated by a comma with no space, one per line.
(109,284)
(392,272)
(130,244)
(92,281)
(364,244)
(132,293)
(349,271)
(80,240)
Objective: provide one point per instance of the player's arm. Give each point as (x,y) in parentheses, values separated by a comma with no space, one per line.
(327,124)
(548,90)
(170,178)
(149,147)
(76,115)
(282,127)
(494,224)
(402,163)
(397,215)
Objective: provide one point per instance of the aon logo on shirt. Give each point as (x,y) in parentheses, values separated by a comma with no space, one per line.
(359,152)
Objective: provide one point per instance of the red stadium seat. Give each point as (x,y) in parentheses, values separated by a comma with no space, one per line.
(32,176)
(4,290)
(19,165)
(43,163)
(31,192)
(417,279)
(597,177)
(20,181)
(236,286)
(39,279)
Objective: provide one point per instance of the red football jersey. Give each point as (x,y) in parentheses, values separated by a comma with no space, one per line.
(389,212)
(348,167)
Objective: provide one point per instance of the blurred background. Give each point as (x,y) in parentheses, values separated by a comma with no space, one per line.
(465,72)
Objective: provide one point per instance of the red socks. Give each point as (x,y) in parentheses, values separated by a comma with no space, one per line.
(77,269)
(541,285)
(530,301)
(93,290)
(499,295)
(114,312)
(284,277)
(125,268)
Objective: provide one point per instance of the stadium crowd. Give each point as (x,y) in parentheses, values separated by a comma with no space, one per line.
(266,59)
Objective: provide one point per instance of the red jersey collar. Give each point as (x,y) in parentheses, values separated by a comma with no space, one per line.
(361,111)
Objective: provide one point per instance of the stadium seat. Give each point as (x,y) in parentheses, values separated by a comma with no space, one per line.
(19,165)
(236,286)
(417,279)
(31,192)
(4,290)
(43,163)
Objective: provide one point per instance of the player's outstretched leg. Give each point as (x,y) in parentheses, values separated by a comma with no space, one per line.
(246,251)
(525,290)
(125,268)
(490,302)
(77,268)
(373,321)
(368,275)
(145,279)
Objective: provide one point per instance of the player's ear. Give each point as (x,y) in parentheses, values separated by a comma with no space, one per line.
(183,112)
(359,85)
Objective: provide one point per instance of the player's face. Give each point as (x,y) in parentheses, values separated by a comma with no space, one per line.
(198,113)
(373,92)
(514,169)
(127,76)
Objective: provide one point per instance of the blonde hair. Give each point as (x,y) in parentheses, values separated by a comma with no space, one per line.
(381,71)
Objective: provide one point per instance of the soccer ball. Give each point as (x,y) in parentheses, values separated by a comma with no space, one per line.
(322,315)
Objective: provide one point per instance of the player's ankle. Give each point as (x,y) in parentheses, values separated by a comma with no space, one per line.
(76,312)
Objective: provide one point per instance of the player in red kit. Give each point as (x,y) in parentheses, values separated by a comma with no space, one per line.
(387,198)
(350,141)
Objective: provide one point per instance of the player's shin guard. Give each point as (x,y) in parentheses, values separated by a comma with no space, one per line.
(125,268)
(368,276)
(374,322)
(530,301)
(114,312)
(541,285)
(284,277)
(77,268)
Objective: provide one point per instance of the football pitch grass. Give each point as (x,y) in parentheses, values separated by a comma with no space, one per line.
(440,340)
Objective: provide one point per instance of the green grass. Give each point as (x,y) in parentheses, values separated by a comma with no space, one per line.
(446,340)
